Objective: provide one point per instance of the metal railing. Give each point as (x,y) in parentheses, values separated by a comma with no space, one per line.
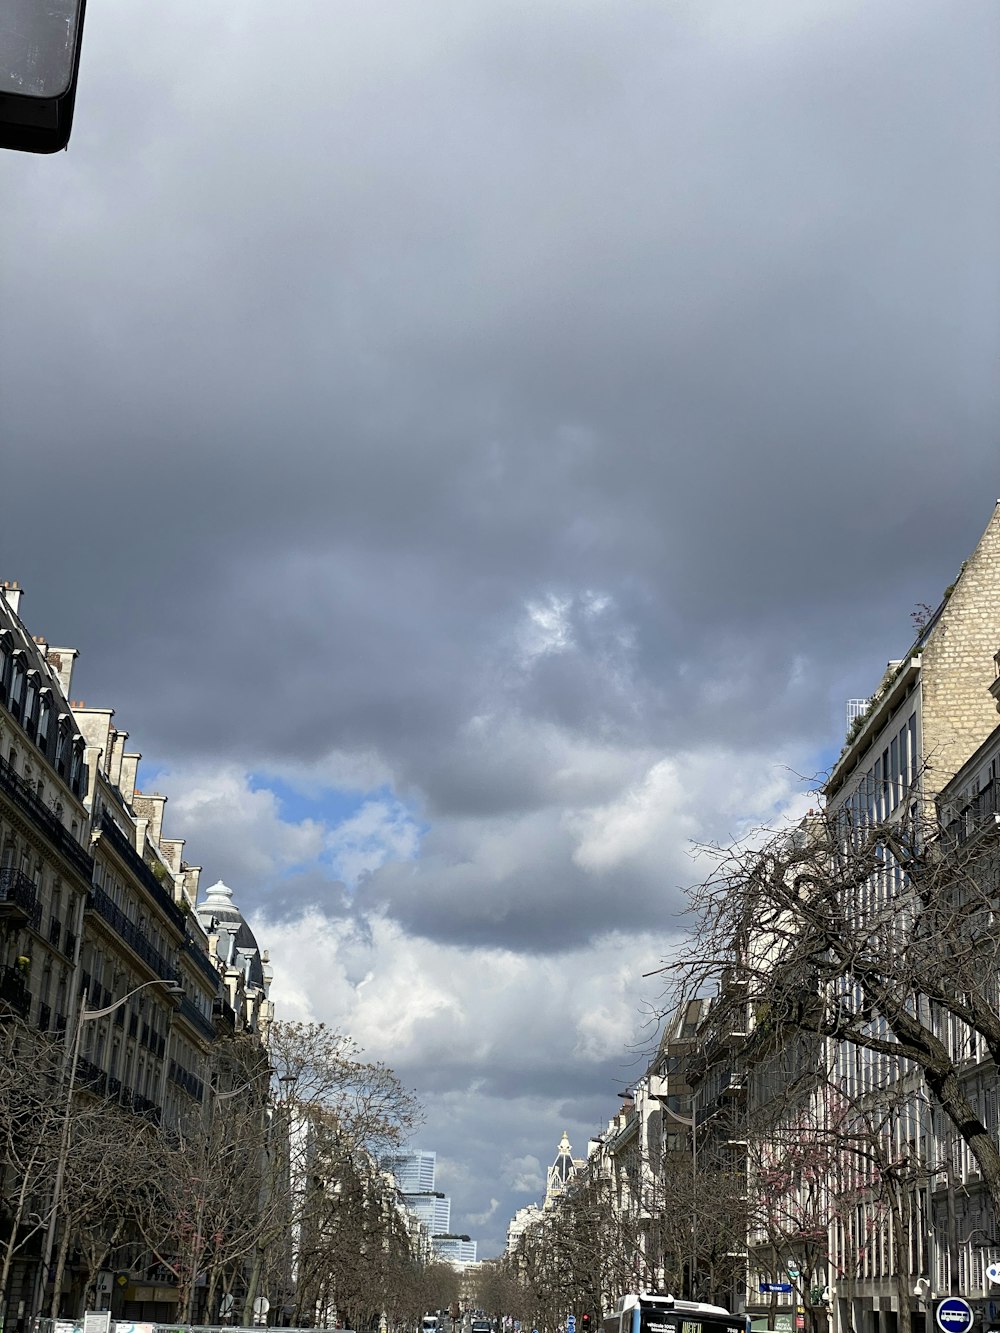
(144,1326)
(24,796)
(197,1019)
(17,890)
(14,990)
(140,869)
(131,934)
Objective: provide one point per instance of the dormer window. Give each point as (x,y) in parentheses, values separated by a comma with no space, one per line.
(17,684)
(44,716)
(30,699)
(62,745)
(76,777)
(5,660)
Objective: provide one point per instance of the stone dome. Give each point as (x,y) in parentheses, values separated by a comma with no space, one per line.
(238,946)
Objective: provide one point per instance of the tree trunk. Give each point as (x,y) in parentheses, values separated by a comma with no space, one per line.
(11,1246)
(64,1240)
(252,1285)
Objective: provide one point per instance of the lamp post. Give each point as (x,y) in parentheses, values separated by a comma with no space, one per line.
(84,1015)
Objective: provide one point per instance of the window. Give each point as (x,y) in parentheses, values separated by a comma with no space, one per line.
(30,697)
(912,729)
(44,714)
(17,685)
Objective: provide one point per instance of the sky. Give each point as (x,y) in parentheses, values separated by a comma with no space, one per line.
(477,448)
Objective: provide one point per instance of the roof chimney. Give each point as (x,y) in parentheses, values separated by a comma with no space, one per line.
(12,594)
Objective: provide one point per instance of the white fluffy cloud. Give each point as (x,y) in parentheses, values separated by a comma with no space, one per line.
(380,831)
(242,829)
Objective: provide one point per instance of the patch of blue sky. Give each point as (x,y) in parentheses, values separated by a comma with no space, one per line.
(330,806)
(365,828)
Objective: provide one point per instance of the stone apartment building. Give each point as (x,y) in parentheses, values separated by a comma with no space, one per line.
(929,719)
(927,743)
(96,903)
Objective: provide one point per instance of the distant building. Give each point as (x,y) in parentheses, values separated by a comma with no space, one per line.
(414,1171)
(520,1223)
(434,1210)
(560,1172)
(456,1250)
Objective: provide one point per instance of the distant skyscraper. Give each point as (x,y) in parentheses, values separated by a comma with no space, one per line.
(458,1250)
(434,1210)
(414,1171)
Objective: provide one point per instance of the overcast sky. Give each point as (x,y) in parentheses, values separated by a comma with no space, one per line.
(477,447)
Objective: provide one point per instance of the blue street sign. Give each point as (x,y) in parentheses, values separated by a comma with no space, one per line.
(571,1323)
(765,1287)
(954,1315)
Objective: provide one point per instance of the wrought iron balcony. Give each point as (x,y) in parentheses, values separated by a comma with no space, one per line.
(131,934)
(224,1014)
(14,990)
(18,896)
(139,868)
(197,1019)
(44,819)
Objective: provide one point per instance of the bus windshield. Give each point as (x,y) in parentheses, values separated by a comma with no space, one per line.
(664,1321)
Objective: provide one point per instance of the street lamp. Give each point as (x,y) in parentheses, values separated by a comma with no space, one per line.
(84,1015)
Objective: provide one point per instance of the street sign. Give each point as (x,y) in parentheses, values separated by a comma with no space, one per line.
(954,1315)
(765,1287)
(571,1323)
(993,1272)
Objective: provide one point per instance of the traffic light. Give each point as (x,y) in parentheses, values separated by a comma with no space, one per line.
(585,1322)
(39,62)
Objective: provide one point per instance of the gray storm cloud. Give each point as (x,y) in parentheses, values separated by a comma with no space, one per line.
(508,401)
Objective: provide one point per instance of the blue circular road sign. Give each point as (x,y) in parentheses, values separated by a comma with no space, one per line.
(954,1315)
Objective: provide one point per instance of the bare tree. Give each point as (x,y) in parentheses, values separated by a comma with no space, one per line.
(31,1112)
(878,936)
(334,1106)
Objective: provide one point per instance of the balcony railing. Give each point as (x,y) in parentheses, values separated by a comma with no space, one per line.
(89,1076)
(14,990)
(201,960)
(224,1014)
(184,1079)
(197,1019)
(18,895)
(24,796)
(131,934)
(142,872)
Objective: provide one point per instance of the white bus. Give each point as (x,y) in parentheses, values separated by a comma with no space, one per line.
(643,1312)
